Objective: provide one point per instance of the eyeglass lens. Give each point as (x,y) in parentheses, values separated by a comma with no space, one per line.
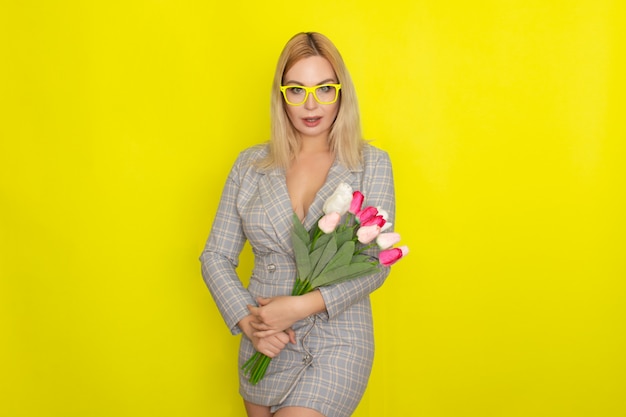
(324,94)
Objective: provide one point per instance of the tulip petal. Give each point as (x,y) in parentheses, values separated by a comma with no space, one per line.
(386,226)
(383,213)
(357,202)
(390,256)
(366,234)
(387,240)
(366,214)
(329,222)
(340,200)
(377,220)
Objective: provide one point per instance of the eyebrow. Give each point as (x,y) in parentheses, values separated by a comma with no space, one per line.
(326,81)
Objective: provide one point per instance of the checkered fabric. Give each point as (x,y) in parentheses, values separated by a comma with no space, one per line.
(329,367)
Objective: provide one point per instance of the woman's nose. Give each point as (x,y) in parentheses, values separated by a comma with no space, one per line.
(310,102)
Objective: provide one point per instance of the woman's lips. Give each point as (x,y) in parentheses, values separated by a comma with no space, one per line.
(311,121)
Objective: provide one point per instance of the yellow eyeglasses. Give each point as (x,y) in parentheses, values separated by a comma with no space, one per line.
(296,95)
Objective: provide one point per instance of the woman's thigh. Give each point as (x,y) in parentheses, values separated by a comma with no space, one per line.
(297,412)
(255,410)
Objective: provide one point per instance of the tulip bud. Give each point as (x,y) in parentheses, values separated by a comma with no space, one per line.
(329,222)
(357,202)
(377,220)
(386,226)
(387,240)
(366,234)
(383,213)
(367,213)
(389,257)
(339,201)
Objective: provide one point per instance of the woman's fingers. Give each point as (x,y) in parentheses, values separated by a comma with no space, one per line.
(263,301)
(272,345)
(259,326)
(291,334)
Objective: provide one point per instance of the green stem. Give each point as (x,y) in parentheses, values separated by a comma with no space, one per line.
(260,372)
(317,235)
(301,287)
(255,367)
(248,365)
(364,248)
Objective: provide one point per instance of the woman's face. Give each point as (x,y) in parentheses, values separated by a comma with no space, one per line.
(312,119)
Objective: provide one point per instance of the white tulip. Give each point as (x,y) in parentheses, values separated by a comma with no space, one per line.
(340,201)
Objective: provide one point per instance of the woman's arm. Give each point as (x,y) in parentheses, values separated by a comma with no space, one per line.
(378,189)
(221,255)
(278,314)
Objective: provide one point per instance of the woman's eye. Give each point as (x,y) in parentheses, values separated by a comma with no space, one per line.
(324,89)
(296,90)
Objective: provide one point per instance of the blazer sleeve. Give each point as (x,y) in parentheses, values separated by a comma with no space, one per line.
(378,189)
(221,255)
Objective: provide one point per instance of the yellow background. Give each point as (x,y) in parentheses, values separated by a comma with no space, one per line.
(119,121)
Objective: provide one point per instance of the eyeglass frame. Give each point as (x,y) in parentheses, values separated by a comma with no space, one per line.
(309,90)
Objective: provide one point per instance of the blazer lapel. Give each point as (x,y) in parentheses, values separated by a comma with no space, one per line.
(277,205)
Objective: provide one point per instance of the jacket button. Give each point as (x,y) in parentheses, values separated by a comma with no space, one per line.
(271,268)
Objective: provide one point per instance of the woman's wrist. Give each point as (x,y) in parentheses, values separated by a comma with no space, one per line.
(311,303)
(246,328)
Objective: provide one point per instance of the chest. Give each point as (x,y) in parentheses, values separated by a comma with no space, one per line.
(265,206)
(304,180)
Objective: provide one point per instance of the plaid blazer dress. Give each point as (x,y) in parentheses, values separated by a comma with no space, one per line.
(328,369)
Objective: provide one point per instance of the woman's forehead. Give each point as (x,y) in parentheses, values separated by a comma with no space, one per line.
(310,70)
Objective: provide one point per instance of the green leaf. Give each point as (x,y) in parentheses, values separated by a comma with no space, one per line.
(314,230)
(315,256)
(344,235)
(323,240)
(342,257)
(301,252)
(361,258)
(343,273)
(320,245)
(330,250)
(300,231)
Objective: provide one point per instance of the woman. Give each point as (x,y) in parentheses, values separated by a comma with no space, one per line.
(321,342)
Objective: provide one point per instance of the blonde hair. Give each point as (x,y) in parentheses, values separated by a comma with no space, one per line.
(345,138)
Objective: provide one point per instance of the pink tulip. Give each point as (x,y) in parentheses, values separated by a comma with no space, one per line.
(329,222)
(389,257)
(377,220)
(357,202)
(387,240)
(386,227)
(367,213)
(385,215)
(366,234)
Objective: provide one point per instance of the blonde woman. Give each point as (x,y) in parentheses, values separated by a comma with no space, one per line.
(322,342)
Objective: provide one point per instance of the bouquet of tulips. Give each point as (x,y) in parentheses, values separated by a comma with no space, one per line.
(333,251)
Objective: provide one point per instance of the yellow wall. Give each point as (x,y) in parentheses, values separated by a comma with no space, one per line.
(119,121)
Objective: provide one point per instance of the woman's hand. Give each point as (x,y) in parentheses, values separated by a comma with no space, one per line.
(270,346)
(274,315)
(277,314)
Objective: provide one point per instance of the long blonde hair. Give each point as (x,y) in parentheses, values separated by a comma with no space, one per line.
(345,138)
